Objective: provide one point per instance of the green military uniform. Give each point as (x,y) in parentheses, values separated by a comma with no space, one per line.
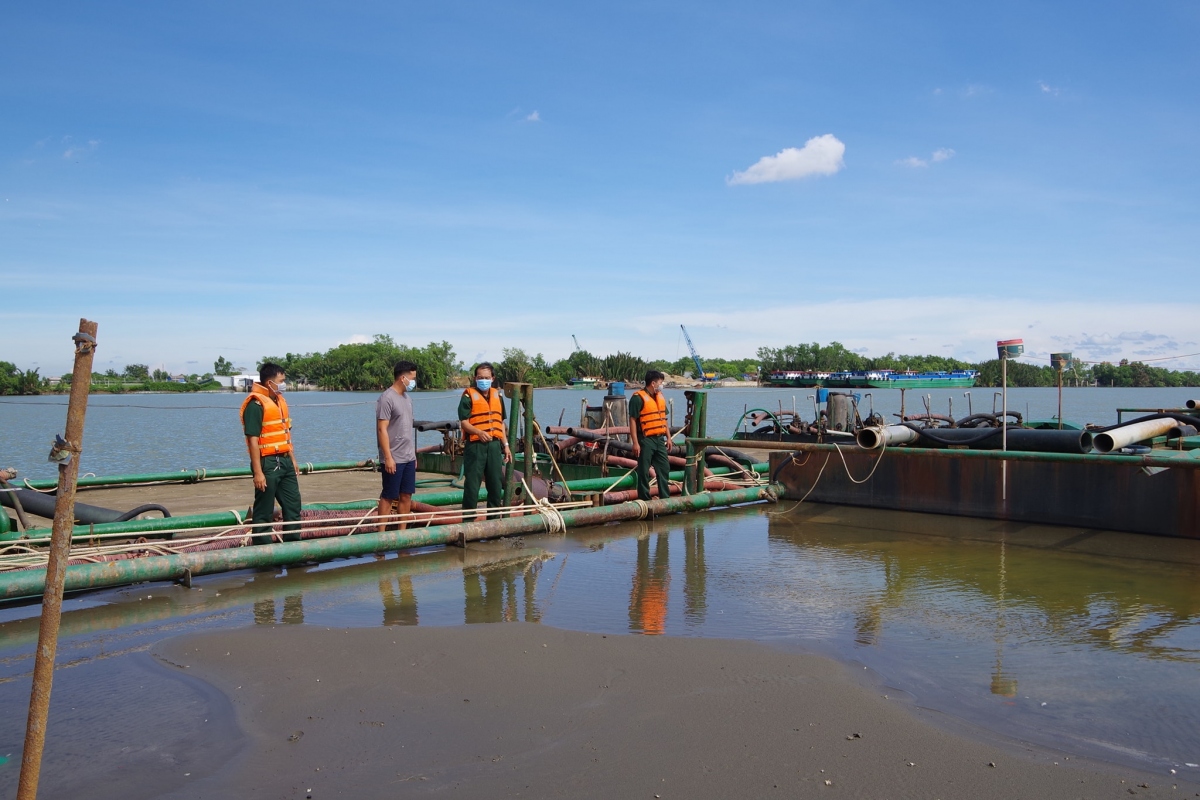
(653,454)
(282,483)
(482,461)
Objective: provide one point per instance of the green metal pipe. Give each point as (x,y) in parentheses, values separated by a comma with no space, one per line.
(196,475)
(148,527)
(28,583)
(1185,459)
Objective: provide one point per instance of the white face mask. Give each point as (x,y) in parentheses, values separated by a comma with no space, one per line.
(280,387)
(412,384)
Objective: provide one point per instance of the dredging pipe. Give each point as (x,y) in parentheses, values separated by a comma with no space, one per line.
(195,475)
(225,519)
(886,436)
(1116,438)
(29,583)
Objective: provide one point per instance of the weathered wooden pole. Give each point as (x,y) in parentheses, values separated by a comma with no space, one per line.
(56,570)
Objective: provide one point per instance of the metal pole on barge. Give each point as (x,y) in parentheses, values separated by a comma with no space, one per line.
(1006,349)
(67,456)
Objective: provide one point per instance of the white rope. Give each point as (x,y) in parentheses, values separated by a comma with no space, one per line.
(22,554)
(643,508)
(869,474)
(554,520)
(810,489)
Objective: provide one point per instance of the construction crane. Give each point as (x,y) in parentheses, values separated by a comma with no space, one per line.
(700,373)
(576,341)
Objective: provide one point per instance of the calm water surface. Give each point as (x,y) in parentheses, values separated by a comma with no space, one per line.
(163,433)
(1086,642)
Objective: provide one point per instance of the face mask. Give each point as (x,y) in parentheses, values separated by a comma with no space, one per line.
(411,385)
(280,387)
(483,384)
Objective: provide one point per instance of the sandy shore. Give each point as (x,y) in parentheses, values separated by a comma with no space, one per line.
(523,710)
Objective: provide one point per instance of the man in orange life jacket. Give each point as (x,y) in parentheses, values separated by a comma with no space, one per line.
(649,435)
(481,414)
(268,429)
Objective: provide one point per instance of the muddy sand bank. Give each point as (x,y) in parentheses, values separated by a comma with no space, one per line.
(523,710)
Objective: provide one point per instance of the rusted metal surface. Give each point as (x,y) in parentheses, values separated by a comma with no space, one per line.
(56,570)
(1103,492)
(1162,458)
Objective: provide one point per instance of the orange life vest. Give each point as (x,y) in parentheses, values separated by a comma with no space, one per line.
(487,414)
(276,436)
(653,419)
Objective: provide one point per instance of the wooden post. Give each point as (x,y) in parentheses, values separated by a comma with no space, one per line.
(56,569)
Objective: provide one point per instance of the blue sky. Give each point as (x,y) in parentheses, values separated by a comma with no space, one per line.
(247,179)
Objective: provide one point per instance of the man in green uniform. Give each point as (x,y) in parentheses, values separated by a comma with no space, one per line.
(268,429)
(481,415)
(650,436)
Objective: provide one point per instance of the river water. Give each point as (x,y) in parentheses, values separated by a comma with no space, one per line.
(1084,641)
(139,433)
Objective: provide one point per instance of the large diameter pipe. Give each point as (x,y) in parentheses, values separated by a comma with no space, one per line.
(886,436)
(28,583)
(1019,439)
(1126,435)
(1193,403)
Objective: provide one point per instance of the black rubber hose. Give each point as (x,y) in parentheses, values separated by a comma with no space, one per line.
(128,515)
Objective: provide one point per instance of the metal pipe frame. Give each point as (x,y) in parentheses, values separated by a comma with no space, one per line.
(28,583)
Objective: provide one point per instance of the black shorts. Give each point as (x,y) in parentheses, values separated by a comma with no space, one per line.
(402,481)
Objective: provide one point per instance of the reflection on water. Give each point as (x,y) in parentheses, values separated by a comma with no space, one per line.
(1079,639)
(648,599)
(293,611)
(399,600)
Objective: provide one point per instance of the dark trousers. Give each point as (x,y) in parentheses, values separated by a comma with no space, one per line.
(483,461)
(282,486)
(654,454)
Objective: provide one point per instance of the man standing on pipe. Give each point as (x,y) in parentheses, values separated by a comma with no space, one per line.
(648,434)
(268,428)
(481,413)
(397,443)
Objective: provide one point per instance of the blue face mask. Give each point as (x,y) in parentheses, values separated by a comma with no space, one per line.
(411,385)
(483,384)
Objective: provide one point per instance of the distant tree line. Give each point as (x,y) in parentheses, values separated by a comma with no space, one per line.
(368,366)
(361,367)
(834,357)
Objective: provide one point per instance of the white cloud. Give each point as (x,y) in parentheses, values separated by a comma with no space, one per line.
(358,338)
(79,150)
(821,155)
(534,117)
(1047,88)
(941,154)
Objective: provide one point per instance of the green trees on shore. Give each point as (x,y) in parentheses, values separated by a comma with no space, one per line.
(368,367)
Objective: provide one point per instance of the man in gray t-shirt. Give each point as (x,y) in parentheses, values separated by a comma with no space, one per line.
(397,443)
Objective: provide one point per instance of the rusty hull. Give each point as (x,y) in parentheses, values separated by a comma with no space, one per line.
(1088,494)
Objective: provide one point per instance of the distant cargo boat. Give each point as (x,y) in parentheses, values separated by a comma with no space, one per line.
(585,383)
(875,379)
(799,379)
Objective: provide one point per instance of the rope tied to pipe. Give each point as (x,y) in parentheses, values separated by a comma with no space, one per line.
(847,466)
(554,519)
